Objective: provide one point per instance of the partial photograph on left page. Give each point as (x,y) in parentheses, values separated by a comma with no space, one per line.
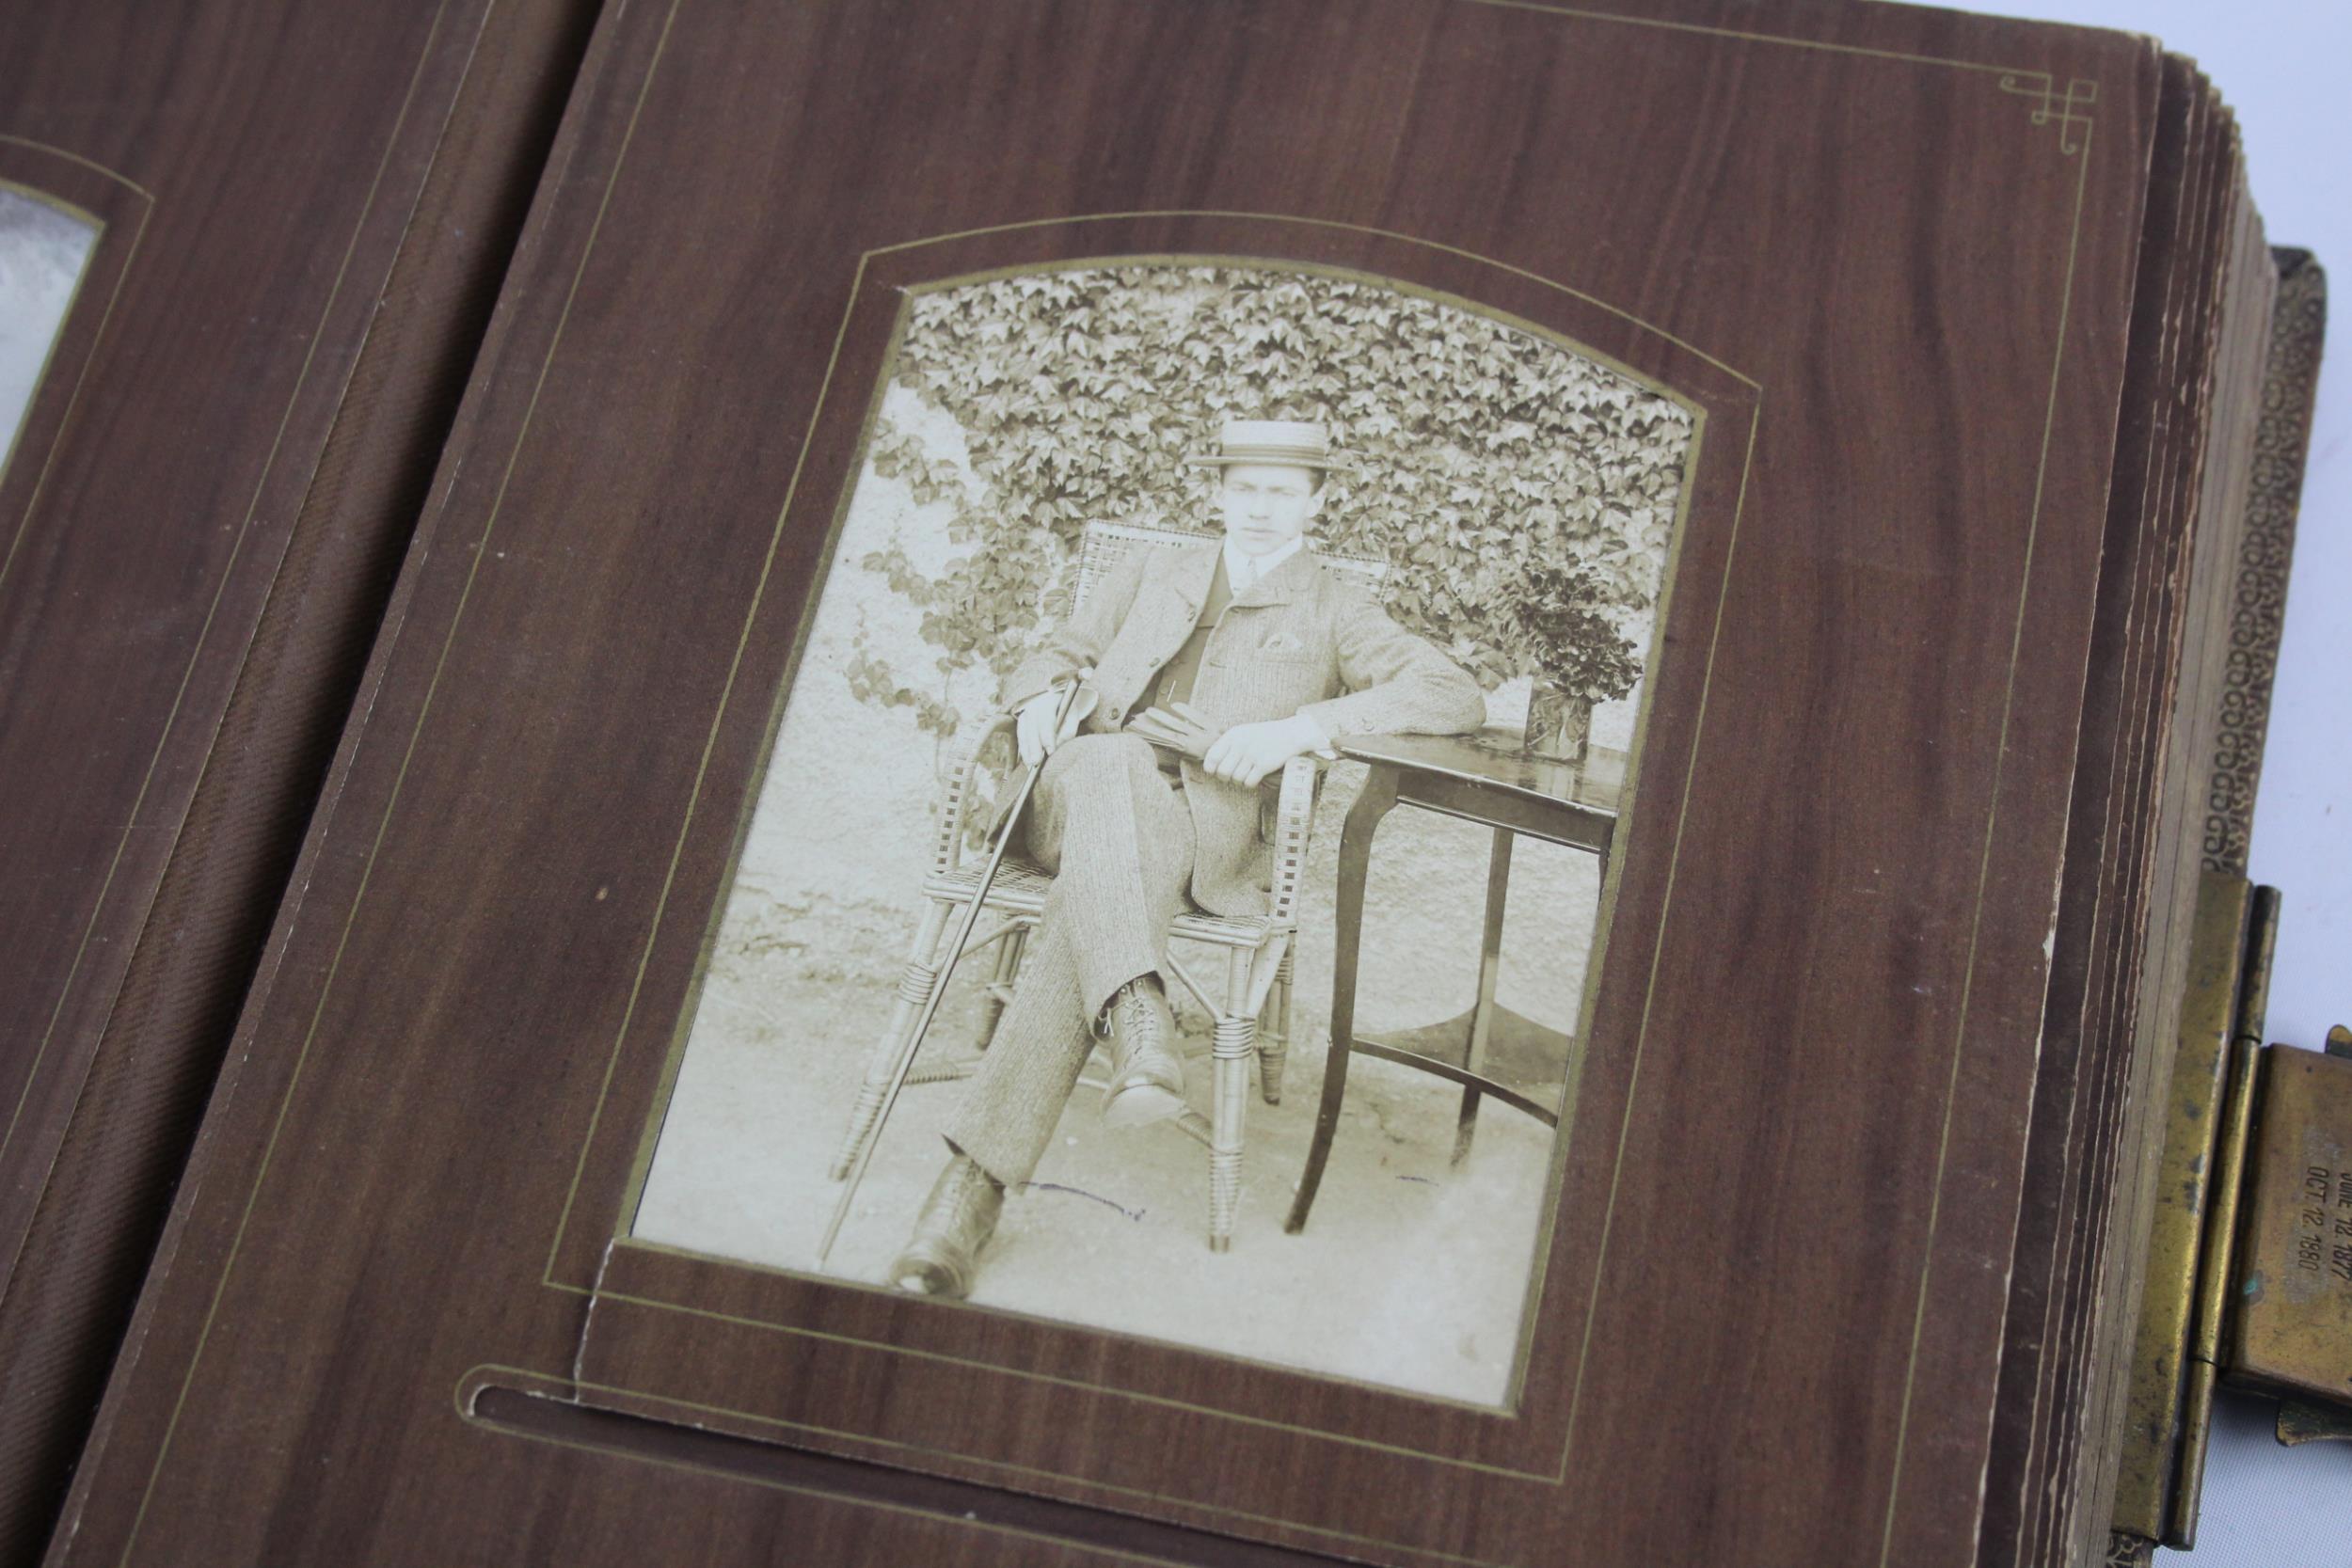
(43,248)
(1136,554)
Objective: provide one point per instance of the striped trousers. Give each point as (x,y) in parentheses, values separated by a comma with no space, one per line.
(1117,833)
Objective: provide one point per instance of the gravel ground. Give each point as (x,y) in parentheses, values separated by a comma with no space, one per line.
(1432,1260)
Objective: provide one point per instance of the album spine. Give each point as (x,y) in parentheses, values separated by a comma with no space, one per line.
(2283,439)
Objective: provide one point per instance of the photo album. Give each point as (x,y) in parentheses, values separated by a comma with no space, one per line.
(1452,784)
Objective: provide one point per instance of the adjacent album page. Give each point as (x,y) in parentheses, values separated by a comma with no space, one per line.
(246,251)
(1505,1035)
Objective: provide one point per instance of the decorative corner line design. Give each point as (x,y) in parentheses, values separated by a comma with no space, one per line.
(2067,109)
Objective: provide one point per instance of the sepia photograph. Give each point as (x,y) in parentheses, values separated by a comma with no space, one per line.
(1185,841)
(43,249)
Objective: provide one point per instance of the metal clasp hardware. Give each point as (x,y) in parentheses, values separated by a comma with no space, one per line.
(2289,1328)
(2248,1276)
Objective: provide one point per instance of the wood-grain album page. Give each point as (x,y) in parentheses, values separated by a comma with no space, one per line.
(1547,562)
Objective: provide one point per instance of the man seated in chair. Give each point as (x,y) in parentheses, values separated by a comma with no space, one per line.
(1264,649)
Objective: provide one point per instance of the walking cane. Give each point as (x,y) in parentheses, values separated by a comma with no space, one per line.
(1010,820)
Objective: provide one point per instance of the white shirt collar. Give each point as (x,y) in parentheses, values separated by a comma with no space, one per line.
(1242,569)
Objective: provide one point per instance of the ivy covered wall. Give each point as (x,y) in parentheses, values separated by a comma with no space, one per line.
(1516,485)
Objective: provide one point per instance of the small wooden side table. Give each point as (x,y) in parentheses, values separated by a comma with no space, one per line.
(1492,783)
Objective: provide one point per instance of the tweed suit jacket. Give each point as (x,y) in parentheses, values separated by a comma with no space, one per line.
(1298,641)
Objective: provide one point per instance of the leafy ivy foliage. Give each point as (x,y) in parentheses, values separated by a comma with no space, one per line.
(1560,621)
(1523,493)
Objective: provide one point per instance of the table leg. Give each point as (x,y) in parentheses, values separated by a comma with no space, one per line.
(1378,795)
(1490,963)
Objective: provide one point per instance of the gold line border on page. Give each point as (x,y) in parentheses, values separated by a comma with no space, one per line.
(2068,121)
(1257,262)
(367,208)
(1558,1476)
(816,585)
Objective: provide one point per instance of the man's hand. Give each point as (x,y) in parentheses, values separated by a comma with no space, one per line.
(1033,727)
(1248,753)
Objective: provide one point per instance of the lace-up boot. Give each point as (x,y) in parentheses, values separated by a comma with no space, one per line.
(957,1220)
(1147,1067)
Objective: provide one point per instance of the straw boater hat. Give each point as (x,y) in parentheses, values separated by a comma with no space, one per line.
(1294,443)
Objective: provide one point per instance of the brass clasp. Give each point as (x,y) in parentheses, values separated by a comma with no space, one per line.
(2249,1274)
(2290,1326)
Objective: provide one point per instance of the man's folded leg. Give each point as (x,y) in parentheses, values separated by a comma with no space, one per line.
(1118,840)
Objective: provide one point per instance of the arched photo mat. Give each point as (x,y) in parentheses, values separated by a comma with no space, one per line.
(590,1255)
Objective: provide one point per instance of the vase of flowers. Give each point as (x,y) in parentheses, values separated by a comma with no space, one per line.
(1559,723)
(1575,653)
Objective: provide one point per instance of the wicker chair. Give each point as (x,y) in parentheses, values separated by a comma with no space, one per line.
(1251,1007)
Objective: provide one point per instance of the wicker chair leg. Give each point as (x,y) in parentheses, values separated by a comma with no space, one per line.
(1273,1041)
(897,1037)
(1008,954)
(1234,1041)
